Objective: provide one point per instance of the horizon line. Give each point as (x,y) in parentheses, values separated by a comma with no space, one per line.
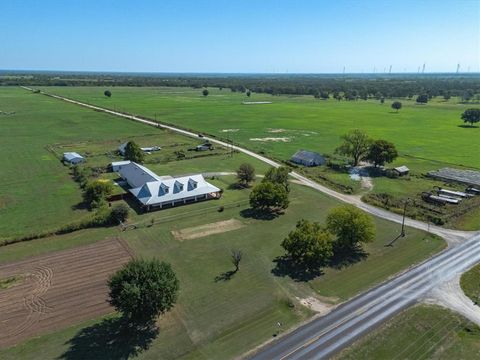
(236,73)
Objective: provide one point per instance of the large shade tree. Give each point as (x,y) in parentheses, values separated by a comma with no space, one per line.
(422,99)
(356,145)
(268,196)
(471,116)
(396,105)
(278,176)
(143,289)
(381,152)
(309,244)
(351,226)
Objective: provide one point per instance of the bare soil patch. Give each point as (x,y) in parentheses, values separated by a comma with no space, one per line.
(274,139)
(196,232)
(58,289)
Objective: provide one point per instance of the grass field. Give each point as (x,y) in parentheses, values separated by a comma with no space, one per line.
(430,132)
(37,193)
(428,136)
(217,318)
(470,283)
(422,332)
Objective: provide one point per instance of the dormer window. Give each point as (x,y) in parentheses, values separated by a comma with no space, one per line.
(163,189)
(178,186)
(192,184)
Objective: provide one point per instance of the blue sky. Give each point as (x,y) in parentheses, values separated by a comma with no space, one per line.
(240,35)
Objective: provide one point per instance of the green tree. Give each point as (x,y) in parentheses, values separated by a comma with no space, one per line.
(246,174)
(268,196)
(382,100)
(278,176)
(356,145)
(96,192)
(119,214)
(205,92)
(107,93)
(134,153)
(249,93)
(309,244)
(351,226)
(446,96)
(397,105)
(471,116)
(422,99)
(143,289)
(381,152)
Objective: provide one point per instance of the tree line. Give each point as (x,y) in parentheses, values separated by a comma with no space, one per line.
(322,86)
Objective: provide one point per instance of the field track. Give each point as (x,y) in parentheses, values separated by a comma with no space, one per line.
(58,289)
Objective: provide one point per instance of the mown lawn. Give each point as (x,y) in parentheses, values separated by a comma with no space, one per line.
(217,318)
(422,332)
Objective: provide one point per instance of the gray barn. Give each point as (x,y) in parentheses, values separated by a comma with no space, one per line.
(308,158)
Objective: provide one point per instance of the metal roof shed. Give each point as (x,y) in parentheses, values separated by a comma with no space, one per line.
(73,157)
(308,158)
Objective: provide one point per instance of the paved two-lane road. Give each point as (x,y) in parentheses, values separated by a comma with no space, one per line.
(325,336)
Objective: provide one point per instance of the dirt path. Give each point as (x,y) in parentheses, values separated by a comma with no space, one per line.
(57,289)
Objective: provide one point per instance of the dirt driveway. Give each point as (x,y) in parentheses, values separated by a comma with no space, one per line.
(58,289)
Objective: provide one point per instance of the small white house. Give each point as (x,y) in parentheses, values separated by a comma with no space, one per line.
(73,158)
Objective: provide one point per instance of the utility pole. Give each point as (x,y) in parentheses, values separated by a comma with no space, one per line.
(402,233)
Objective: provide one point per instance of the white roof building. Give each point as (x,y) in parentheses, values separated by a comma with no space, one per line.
(152,190)
(73,157)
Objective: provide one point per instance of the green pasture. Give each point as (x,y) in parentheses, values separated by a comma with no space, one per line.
(422,332)
(37,193)
(217,318)
(431,132)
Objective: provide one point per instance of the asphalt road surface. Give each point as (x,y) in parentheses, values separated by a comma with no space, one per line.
(327,335)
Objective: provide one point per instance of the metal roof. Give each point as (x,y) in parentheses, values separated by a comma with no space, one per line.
(151,189)
(402,169)
(305,155)
(169,190)
(69,156)
(136,174)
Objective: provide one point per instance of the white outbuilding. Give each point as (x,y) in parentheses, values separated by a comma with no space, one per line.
(73,158)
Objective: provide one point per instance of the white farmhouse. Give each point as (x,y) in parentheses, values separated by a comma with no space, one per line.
(153,191)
